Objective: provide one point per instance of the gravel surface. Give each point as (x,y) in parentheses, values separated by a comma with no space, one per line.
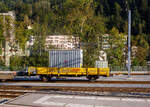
(114,78)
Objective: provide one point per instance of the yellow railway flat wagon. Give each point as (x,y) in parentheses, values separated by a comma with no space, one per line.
(46,73)
(72,71)
(104,72)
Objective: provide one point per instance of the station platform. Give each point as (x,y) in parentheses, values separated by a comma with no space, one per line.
(61,100)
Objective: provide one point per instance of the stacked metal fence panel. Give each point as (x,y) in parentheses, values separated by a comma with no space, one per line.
(66,58)
(101,64)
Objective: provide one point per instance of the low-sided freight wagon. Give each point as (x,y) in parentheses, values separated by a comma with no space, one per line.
(46,73)
(7,75)
(66,63)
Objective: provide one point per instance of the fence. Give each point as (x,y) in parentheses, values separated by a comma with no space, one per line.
(133,68)
(4,68)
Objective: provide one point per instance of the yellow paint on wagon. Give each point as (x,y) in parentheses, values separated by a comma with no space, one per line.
(104,71)
(69,71)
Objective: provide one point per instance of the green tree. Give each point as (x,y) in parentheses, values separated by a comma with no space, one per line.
(82,22)
(117,16)
(3,7)
(1,33)
(142,50)
(15,63)
(22,33)
(116,52)
(1,39)
(39,56)
(8,21)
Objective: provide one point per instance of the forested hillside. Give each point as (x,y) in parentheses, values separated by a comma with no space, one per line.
(87,19)
(115,11)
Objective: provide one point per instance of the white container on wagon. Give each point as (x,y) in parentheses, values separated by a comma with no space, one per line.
(66,58)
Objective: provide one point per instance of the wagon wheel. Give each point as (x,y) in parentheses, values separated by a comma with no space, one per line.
(92,78)
(4,80)
(45,78)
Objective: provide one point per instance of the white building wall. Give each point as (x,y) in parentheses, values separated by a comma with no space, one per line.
(62,41)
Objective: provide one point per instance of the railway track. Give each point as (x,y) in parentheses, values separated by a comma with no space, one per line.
(15,91)
(79,81)
(10,94)
(12,91)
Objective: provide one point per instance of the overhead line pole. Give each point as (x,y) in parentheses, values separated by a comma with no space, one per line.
(129,43)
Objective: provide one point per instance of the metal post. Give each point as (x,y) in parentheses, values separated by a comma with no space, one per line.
(129,43)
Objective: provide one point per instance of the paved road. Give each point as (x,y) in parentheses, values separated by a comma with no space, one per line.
(56,100)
